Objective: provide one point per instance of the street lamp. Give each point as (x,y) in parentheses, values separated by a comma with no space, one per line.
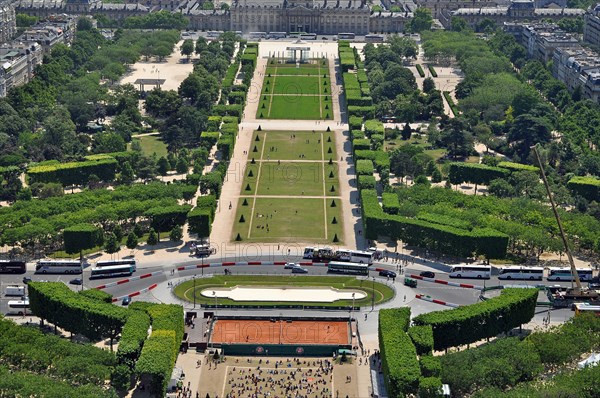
(194,292)
(373,296)
(352,309)
(215,294)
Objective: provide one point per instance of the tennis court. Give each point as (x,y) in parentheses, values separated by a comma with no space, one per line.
(280,331)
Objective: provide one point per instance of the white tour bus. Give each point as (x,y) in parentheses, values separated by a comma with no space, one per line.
(564,274)
(213,33)
(346,36)
(14,290)
(355,256)
(347,268)
(308,36)
(471,271)
(516,272)
(109,263)
(18,307)
(257,35)
(277,35)
(110,271)
(58,267)
(374,38)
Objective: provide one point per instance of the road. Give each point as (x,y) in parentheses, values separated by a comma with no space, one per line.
(405,295)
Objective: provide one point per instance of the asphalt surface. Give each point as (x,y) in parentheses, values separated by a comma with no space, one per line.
(451,294)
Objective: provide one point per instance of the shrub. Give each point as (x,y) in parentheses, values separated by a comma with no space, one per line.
(364,167)
(390,203)
(420,70)
(587,187)
(430,387)
(422,338)
(430,366)
(366,182)
(133,336)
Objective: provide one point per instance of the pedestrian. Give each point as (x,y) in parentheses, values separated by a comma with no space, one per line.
(366,316)
(405,297)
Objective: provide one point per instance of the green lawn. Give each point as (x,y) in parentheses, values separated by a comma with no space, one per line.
(293,85)
(313,145)
(280,170)
(320,68)
(152,144)
(295,107)
(187,290)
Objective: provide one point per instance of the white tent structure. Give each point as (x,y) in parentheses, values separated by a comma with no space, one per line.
(592,360)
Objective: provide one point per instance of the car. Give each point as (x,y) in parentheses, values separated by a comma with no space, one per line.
(26,279)
(76,281)
(427,274)
(126,300)
(289,265)
(388,273)
(299,270)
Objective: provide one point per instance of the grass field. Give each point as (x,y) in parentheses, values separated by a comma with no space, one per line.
(152,144)
(288,189)
(296,93)
(186,291)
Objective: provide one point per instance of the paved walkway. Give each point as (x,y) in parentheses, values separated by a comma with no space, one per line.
(225,217)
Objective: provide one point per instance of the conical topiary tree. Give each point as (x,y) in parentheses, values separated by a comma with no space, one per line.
(332,189)
(330,161)
(253,161)
(328,138)
(329,150)
(263,106)
(331,174)
(333,203)
(261,116)
(245,202)
(239,238)
(326,116)
(242,219)
(259,128)
(335,238)
(255,149)
(334,221)
(250,174)
(248,187)
(326,106)
(257,138)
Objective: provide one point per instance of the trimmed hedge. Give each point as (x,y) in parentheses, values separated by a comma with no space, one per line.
(355,122)
(430,387)
(512,166)
(390,203)
(228,110)
(133,336)
(200,221)
(444,220)
(587,187)
(210,136)
(157,360)
(361,144)
(357,134)
(366,182)
(420,70)
(432,71)
(373,127)
(365,167)
(74,173)
(430,366)
(401,370)
(381,159)
(474,173)
(451,103)
(471,323)
(97,295)
(213,123)
(168,317)
(422,338)
(365,112)
(443,238)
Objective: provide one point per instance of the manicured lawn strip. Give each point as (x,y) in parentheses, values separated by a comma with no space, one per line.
(338,228)
(288,220)
(242,227)
(185,290)
(292,85)
(291,178)
(152,144)
(295,107)
(288,148)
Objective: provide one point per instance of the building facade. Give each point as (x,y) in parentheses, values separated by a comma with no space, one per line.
(591,26)
(8,21)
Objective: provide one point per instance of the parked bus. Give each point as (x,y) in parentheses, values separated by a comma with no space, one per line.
(586,307)
(471,271)
(516,272)
(355,256)
(111,271)
(347,268)
(18,307)
(12,267)
(58,267)
(213,33)
(564,274)
(257,35)
(319,254)
(277,35)
(14,290)
(109,263)
(374,39)
(308,36)
(346,36)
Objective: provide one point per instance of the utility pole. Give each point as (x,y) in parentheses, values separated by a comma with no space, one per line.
(373,296)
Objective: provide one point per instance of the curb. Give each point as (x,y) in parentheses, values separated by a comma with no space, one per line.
(443,282)
(135,293)
(122,281)
(432,300)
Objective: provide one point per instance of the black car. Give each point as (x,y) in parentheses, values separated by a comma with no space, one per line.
(389,274)
(126,300)
(76,281)
(26,279)
(427,274)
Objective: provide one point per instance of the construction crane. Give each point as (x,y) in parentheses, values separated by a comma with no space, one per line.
(577,292)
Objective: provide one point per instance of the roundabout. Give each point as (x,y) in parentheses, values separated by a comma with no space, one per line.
(246,290)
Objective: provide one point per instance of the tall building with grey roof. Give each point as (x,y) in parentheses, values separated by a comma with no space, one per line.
(8,25)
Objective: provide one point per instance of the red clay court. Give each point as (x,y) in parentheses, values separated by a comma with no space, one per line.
(281,332)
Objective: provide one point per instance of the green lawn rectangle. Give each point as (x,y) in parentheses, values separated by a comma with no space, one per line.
(291,178)
(152,144)
(295,107)
(318,69)
(292,85)
(286,145)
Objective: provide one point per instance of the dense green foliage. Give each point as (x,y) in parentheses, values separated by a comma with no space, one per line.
(133,335)
(422,338)
(471,323)
(398,354)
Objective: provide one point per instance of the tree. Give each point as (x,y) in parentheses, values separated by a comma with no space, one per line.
(162,166)
(187,48)
(483,134)
(406,132)
(132,241)
(526,131)
(457,139)
(428,85)
(127,176)
(81,237)
(459,24)
(111,245)
(108,143)
(421,21)
(182,166)
(152,238)
(176,234)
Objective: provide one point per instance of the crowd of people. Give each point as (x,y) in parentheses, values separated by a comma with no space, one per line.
(309,379)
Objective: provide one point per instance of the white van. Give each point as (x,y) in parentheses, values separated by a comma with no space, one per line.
(14,290)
